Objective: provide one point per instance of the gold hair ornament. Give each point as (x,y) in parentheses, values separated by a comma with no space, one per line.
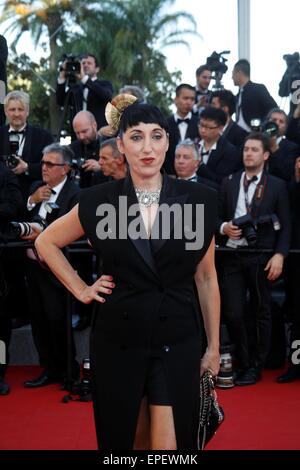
(115,109)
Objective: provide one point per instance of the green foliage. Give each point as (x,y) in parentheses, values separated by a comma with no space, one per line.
(127,36)
(35,79)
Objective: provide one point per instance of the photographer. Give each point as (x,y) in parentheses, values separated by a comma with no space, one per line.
(11,206)
(3,59)
(86,150)
(89,93)
(283,152)
(203,94)
(21,144)
(53,197)
(253,213)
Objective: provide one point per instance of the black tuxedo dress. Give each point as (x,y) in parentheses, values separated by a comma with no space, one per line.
(151,311)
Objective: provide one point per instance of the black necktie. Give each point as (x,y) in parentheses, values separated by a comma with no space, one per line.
(179,121)
(247,182)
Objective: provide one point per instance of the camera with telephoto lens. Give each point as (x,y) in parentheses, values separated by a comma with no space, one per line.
(15,230)
(249,225)
(71,65)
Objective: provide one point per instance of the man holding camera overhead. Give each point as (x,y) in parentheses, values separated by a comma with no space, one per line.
(88,93)
(253,214)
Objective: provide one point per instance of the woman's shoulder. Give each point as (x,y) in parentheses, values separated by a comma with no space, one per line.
(99,191)
(197,191)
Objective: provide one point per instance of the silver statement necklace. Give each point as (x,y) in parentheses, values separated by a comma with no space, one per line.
(147,198)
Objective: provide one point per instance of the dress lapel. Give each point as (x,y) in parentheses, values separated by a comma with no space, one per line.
(141,244)
(168,197)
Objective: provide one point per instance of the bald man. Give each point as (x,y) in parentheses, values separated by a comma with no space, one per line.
(86,148)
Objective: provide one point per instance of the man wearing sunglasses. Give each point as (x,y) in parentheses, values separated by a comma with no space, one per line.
(47,296)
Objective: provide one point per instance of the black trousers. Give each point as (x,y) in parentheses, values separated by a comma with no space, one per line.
(243,274)
(13,294)
(48,309)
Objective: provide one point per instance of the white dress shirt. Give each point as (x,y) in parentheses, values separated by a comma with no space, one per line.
(241,208)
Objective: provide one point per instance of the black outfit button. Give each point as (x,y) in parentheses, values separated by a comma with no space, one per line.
(125,315)
(166,349)
(130,286)
(163,317)
(161,289)
(123,347)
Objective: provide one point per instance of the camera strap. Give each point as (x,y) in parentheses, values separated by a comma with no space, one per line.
(253,206)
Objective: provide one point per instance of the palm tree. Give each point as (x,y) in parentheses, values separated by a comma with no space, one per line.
(128,37)
(43,19)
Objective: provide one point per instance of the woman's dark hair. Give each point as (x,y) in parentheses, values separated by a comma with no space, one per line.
(142,112)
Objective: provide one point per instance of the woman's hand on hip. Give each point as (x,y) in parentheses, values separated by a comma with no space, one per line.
(103,285)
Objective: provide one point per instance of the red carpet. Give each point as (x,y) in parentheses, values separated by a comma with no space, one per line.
(261,416)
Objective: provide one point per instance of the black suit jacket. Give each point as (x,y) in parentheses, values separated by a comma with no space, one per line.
(235,134)
(294,192)
(88,178)
(11,200)
(100,93)
(67,199)
(274,201)
(256,101)
(174,138)
(36,139)
(222,162)
(3,59)
(282,162)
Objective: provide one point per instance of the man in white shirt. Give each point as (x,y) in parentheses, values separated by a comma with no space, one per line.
(89,93)
(187,160)
(253,215)
(47,297)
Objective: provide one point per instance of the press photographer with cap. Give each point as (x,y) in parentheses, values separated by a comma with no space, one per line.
(253,214)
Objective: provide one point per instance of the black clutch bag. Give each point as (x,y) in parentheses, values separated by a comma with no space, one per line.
(211,414)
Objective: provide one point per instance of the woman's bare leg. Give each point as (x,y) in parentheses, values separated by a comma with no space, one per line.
(162,429)
(142,435)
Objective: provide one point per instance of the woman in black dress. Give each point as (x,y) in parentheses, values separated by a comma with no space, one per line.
(155,237)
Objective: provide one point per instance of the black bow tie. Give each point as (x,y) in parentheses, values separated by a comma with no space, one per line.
(13,132)
(194,179)
(179,121)
(254,178)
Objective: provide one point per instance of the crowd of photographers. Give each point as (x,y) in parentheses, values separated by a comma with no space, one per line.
(253,161)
